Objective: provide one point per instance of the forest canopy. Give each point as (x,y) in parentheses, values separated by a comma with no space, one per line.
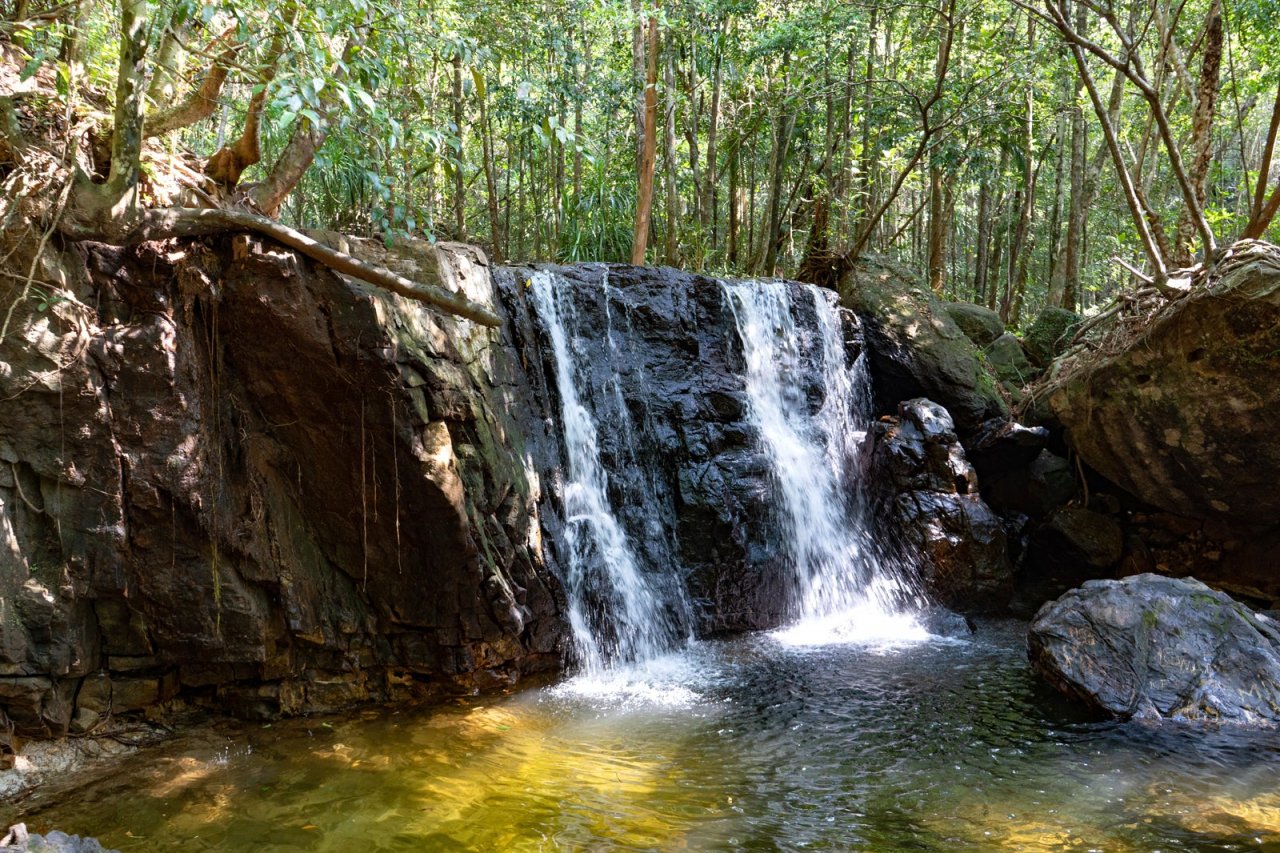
(1015,154)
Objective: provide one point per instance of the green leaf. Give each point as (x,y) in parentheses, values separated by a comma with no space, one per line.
(29,70)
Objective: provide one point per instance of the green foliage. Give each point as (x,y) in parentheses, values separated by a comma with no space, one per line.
(560,95)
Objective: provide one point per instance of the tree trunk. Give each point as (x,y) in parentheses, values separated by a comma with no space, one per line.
(937,231)
(644,202)
(782,144)
(983,243)
(1202,129)
(1028,183)
(691,130)
(734,208)
(673,199)
(713,124)
(638,80)
(490,179)
(459,179)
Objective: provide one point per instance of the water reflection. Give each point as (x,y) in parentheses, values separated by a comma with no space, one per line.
(750,745)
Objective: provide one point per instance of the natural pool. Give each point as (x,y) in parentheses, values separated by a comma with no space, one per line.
(751,744)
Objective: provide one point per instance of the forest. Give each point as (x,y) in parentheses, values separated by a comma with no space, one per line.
(648,425)
(966,140)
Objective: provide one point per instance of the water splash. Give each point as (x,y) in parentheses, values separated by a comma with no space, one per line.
(841,591)
(617,612)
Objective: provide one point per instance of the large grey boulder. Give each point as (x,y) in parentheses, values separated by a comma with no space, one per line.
(916,349)
(927,492)
(1151,647)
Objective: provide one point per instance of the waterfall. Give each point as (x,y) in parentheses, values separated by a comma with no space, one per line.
(618,612)
(813,446)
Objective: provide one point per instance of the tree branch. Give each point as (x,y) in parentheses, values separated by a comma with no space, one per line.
(165,223)
(201,101)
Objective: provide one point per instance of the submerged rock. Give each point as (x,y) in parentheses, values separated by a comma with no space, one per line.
(19,840)
(917,350)
(1150,647)
(927,492)
(1185,418)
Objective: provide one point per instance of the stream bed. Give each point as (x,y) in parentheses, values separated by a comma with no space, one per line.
(758,743)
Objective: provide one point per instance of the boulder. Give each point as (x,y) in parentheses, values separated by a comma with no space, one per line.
(1008,358)
(1085,536)
(979,323)
(1035,490)
(915,349)
(1151,647)
(1185,418)
(927,493)
(1001,447)
(1050,333)
(19,840)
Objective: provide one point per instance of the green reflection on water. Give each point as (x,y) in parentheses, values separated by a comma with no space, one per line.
(742,745)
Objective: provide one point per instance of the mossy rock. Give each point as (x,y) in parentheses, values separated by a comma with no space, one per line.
(1185,418)
(915,347)
(979,324)
(1007,357)
(1050,334)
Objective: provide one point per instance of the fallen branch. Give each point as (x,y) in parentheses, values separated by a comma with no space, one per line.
(165,223)
(1139,274)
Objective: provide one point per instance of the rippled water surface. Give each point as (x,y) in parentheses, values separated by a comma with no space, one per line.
(760,743)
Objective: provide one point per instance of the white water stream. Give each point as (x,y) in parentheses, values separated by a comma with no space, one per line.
(622,616)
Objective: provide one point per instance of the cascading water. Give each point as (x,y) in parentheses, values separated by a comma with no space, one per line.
(618,613)
(839,586)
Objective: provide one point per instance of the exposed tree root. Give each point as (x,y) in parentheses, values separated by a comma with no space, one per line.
(161,224)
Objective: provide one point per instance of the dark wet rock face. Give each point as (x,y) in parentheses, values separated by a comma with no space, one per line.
(927,494)
(689,478)
(917,350)
(1185,419)
(1151,647)
(246,479)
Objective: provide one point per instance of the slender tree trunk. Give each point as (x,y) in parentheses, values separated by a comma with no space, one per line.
(644,204)
(782,144)
(673,198)
(1202,129)
(735,206)
(580,95)
(937,231)
(638,80)
(459,179)
(1028,184)
(490,179)
(866,178)
(982,248)
(713,124)
(691,128)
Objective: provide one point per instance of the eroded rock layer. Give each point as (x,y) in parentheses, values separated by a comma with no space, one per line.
(229,472)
